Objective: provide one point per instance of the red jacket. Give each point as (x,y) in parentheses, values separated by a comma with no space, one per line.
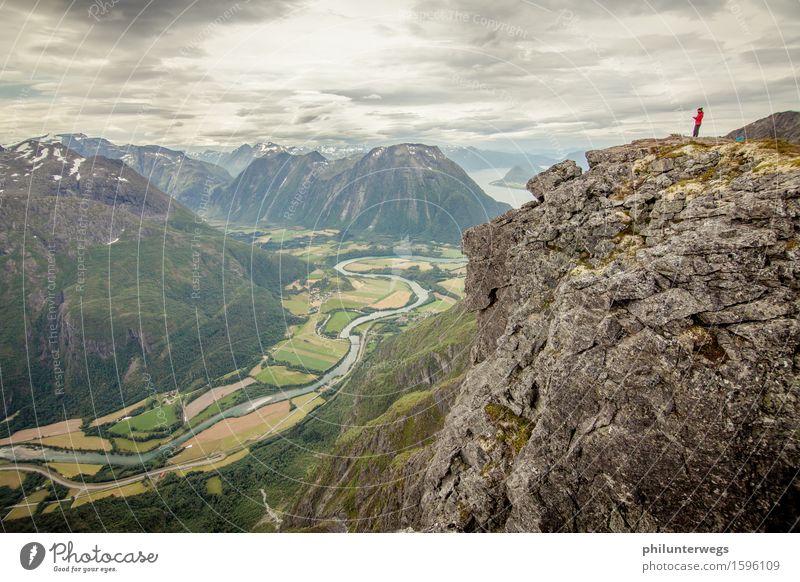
(698,119)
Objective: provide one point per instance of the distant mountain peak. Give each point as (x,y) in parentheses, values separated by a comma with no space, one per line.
(401,189)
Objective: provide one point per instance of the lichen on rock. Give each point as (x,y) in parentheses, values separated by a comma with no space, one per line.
(636,365)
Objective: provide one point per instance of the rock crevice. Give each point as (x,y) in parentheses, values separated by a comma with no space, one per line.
(636,364)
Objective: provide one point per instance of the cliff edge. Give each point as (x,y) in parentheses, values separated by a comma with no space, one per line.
(636,363)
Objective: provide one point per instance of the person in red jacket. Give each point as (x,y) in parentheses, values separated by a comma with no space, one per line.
(698,119)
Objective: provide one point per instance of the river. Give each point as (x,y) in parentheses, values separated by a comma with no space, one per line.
(21,453)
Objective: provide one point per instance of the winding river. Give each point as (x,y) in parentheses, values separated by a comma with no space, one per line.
(22,453)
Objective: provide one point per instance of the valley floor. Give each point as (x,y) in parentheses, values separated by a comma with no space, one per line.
(129,451)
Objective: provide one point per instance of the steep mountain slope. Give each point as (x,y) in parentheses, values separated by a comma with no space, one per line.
(784,125)
(109,289)
(402,190)
(268,188)
(189,180)
(636,361)
(237,160)
(409,377)
(397,399)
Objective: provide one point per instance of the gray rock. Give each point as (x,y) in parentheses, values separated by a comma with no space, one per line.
(555,176)
(636,367)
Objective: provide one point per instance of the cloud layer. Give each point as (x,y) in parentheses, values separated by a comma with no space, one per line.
(508,74)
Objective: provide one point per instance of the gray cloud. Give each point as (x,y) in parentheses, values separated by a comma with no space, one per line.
(506,74)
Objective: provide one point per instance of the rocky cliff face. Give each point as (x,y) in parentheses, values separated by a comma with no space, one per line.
(636,365)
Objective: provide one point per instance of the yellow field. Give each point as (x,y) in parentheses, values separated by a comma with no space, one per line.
(124,491)
(296,304)
(214,485)
(205,400)
(28,505)
(393,301)
(232,458)
(366,292)
(121,413)
(283,376)
(51,507)
(391,263)
(72,469)
(12,479)
(55,429)
(233,432)
(455,285)
(78,440)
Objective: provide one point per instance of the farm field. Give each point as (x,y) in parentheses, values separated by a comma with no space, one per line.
(214,485)
(388,263)
(297,304)
(316,252)
(441,303)
(203,401)
(121,413)
(55,429)
(27,506)
(160,416)
(449,252)
(130,446)
(395,300)
(78,440)
(289,234)
(455,285)
(308,351)
(365,292)
(281,376)
(339,300)
(459,269)
(234,432)
(11,479)
(70,470)
(338,320)
(124,491)
(232,458)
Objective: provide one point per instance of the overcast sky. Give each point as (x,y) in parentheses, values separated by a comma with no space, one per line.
(505,74)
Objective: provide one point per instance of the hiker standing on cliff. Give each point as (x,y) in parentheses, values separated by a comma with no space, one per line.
(698,119)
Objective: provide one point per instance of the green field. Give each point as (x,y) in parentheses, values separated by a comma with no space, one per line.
(338,320)
(451,252)
(441,303)
(215,408)
(307,351)
(296,304)
(158,417)
(282,376)
(129,446)
(365,293)
(214,485)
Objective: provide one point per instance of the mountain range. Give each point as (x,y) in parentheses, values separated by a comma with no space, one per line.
(238,159)
(188,180)
(404,190)
(110,289)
